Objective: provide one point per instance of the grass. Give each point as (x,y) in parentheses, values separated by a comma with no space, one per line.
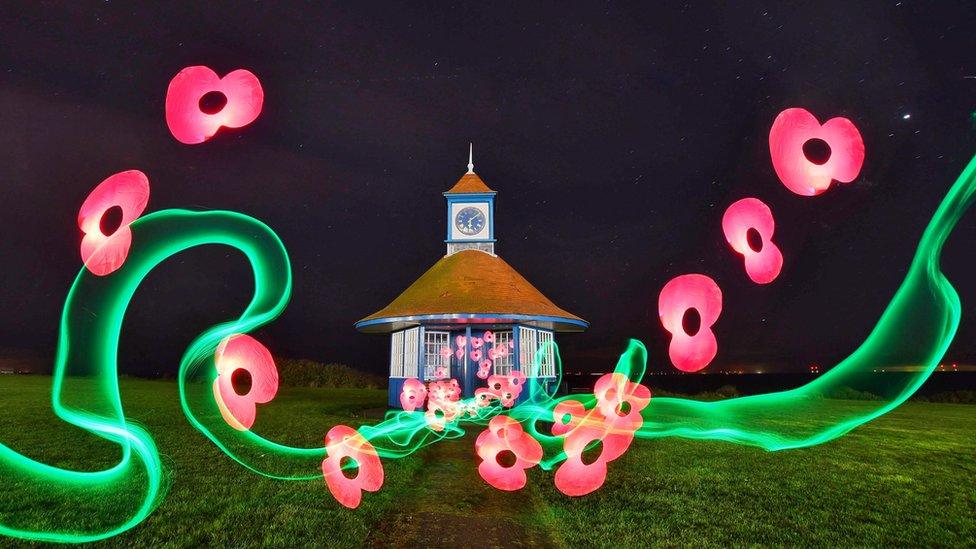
(908,478)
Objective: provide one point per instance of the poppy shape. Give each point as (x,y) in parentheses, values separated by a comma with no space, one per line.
(504,434)
(189,124)
(484,369)
(483,397)
(440,413)
(243,352)
(476,355)
(442,372)
(104,253)
(454,388)
(584,429)
(477,342)
(459,354)
(498,352)
(690,352)
(413,394)
(566,416)
(498,383)
(444,391)
(507,397)
(792,130)
(488,336)
(763,258)
(576,477)
(345,442)
(620,401)
(435,421)
(516,379)
(503,390)
(446,352)
(461,341)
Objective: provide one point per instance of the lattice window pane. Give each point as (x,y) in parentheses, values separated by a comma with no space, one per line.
(548,362)
(433,358)
(396,355)
(503,364)
(527,348)
(411,352)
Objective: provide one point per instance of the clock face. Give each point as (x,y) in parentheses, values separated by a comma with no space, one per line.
(470,221)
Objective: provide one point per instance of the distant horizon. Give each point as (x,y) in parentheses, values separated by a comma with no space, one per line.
(43,360)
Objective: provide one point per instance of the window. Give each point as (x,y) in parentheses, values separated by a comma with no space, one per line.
(403,353)
(527,347)
(411,352)
(433,359)
(503,364)
(396,355)
(487,247)
(536,345)
(547,362)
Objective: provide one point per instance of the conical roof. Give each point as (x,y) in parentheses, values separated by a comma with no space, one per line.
(471,285)
(470,183)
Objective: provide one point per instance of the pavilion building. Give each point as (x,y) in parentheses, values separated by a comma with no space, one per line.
(437,326)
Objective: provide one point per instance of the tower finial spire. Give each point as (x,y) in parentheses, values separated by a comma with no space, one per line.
(470,158)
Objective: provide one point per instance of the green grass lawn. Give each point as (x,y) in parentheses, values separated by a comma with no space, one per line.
(908,478)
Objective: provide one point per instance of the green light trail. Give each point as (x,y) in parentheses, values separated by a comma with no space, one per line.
(915,329)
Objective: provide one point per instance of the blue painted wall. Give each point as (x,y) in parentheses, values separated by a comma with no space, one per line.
(465,370)
(396,387)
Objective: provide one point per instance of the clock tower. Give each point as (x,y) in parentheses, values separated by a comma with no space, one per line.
(470,295)
(470,213)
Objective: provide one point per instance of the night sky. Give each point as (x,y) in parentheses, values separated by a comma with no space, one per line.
(615,135)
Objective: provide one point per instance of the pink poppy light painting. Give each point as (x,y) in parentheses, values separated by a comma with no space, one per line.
(413,395)
(808,156)
(578,476)
(347,450)
(198,102)
(105,245)
(506,452)
(748,226)
(691,348)
(243,354)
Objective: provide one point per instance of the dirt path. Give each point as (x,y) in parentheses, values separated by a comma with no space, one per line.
(457,508)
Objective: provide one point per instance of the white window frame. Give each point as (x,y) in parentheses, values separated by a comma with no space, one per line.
(547,366)
(503,365)
(411,352)
(404,353)
(396,354)
(433,342)
(527,347)
(531,342)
